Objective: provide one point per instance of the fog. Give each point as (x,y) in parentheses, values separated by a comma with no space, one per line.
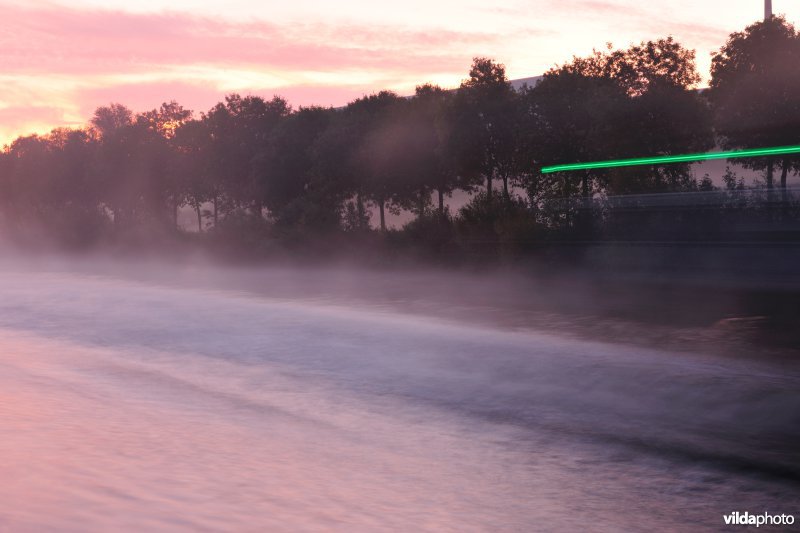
(199,397)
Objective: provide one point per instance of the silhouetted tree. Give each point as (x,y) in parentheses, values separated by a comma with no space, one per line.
(379,152)
(436,154)
(113,167)
(191,166)
(581,117)
(79,204)
(287,162)
(622,103)
(156,131)
(666,115)
(755,90)
(485,122)
(335,172)
(109,120)
(349,155)
(239,129)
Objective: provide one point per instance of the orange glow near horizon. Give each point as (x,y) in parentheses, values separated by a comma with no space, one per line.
(61,60)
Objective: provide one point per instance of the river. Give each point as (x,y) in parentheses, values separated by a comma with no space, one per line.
(132,404)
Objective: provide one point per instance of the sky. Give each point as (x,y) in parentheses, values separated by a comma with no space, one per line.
(59,60)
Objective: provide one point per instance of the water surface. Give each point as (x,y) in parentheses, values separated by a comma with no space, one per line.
(137,405)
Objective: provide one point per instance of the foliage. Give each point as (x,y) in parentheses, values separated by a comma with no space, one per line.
(755,89)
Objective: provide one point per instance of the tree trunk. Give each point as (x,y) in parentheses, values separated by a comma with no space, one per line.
(383,215)
(360,208)
(441,201)
(770,183)
(489,187)
(770,172)
(199,218)
(784,171)
(505,187)
(585,217)
(216,209)
(421,204)
(585,187)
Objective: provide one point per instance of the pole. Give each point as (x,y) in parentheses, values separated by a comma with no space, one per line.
(767,10)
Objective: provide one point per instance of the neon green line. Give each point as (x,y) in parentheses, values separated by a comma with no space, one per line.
(755,152)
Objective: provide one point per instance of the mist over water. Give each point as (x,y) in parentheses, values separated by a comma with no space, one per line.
(129,401)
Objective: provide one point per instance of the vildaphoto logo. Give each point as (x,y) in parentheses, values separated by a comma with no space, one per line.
(765,519)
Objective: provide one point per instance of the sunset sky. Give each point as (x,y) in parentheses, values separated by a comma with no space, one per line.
(60,60)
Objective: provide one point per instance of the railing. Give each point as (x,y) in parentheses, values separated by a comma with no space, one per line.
(717,198)
(736,216)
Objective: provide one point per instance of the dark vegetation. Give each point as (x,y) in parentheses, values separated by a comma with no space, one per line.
(262,178)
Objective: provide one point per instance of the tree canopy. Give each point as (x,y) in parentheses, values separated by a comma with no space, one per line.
(255,165)
(755,91)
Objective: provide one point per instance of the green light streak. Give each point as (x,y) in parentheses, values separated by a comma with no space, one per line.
(668,159)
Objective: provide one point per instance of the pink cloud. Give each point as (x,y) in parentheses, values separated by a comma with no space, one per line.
(641,16)
(92,49)
(61,40)
(31,114)
(145,96)
(23,119)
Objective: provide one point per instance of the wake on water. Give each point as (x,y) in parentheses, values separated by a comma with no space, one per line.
(131,404)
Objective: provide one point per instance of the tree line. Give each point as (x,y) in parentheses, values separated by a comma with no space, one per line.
(252,168)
